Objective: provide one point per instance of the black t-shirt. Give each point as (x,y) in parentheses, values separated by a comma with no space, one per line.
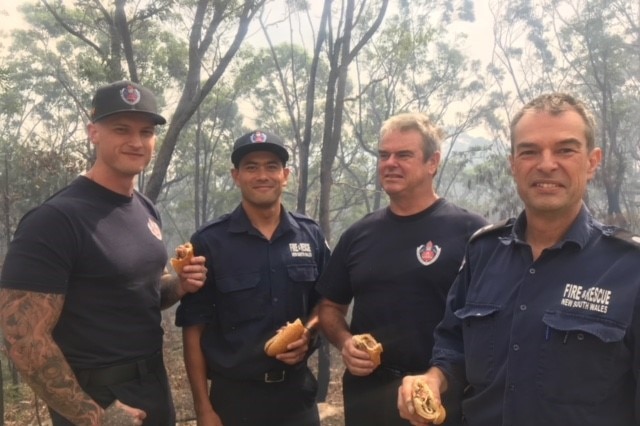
(398,271)
(104,252)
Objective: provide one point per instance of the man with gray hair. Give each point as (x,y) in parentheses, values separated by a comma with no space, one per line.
(396,265)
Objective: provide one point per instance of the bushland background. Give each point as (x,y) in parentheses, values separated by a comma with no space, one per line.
(324,75)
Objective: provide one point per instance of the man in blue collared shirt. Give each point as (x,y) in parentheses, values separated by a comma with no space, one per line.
(543,322)
(263,263)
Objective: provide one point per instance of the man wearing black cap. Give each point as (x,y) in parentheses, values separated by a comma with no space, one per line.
(263,263)
(84,280)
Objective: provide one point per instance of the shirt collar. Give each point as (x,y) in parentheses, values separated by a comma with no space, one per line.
(579,232)
(240,223)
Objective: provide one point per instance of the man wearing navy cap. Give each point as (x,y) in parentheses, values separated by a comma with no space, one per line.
(263,263)
(84,280)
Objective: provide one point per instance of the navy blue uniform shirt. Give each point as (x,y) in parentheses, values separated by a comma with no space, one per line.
(549,342)
(253,287)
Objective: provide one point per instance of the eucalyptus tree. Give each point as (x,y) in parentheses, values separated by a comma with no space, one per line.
(42,143)
(198,183)
(347,26)
(589,48)
(179,49)
(216,30)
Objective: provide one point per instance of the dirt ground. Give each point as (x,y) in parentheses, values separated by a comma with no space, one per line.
(21,408)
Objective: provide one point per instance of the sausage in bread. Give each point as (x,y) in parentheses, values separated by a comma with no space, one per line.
(425,403)
(291,332)
(184,253)
(368,343)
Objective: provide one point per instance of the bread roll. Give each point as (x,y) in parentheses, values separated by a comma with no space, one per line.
(291,332)
(368,343)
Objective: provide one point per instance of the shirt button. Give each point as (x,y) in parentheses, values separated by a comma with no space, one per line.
(512,388)
(275,300)
(580,336)
(532,271)
(516,347)
(523,307)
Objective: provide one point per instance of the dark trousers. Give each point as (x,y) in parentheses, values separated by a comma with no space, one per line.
(256,403)
(373,400)
(148,391)
(324,369)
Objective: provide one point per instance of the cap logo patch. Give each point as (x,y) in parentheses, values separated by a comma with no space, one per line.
(130,95)
(258,137)
(428,253)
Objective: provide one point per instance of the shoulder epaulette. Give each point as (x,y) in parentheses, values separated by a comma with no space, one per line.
(626,236)
(216,221)
(491,228)
(301,216)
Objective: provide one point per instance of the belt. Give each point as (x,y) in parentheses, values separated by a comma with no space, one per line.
(279,376)
(121,373)
(274,376)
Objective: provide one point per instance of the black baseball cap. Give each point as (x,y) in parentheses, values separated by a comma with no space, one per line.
(258,141)
(124,96)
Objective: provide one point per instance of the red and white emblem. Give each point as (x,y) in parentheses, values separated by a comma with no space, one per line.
(154,228)
(130,95)
(428,253)
(258,137)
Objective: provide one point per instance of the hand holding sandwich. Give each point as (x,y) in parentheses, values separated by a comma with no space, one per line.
(291,342)
(361,354)
(419,398)
(189,268)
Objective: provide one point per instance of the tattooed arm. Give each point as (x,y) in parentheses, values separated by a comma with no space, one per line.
(27,320)
(190,280)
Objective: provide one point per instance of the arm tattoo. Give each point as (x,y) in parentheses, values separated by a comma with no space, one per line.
(27,320)
(169,290)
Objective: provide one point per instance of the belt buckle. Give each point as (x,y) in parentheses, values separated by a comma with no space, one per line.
(274,376)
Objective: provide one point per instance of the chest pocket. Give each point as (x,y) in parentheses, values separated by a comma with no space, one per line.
(303,278)
(581,349)
(479,336)
(303,273)
(241,300)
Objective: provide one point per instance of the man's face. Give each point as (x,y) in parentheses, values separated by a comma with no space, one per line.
(261,178)
(124,142)
(401,166)
(551,164)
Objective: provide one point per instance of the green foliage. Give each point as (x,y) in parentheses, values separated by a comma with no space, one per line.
(584,47)
(414,62)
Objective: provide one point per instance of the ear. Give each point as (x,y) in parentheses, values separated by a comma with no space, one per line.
(286,171)
(434,162)
(511,165)
(234,175)
(92,131)
(595,157)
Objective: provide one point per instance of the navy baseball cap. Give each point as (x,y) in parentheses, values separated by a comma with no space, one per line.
(258,141)
(124,96)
